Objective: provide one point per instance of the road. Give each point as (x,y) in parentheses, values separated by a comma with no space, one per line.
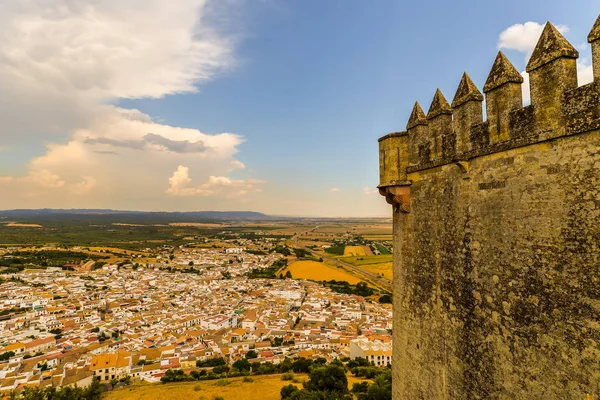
(384,283)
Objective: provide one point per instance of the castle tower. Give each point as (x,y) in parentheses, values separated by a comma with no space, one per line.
(467,110)
(498,242)
(552,71)
(503,95)
(439,120)
(594,39)
(417,134)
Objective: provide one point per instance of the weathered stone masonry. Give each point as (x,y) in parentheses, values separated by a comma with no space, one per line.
(497,235)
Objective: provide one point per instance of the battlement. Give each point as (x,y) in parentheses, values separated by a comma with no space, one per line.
(456,133)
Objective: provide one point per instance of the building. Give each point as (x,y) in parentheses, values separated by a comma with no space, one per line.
(497,234)
(377,352)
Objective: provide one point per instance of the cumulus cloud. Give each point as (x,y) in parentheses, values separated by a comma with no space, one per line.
(524,37)
(180,185)
(62,64)
(236,164)
(369,191)
(161,142)
(334,190)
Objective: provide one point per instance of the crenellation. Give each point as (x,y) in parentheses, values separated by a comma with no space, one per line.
(594,40)
(467,109)
(417,133)
(552,71)
(503,95)
(439,119)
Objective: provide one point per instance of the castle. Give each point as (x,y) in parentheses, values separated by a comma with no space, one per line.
(497,235)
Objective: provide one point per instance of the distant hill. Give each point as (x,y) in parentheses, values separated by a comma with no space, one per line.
(132,216)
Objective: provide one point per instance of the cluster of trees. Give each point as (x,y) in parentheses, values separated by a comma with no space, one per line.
(337,249)
(386,298)
(7,355)
(329,382)
(380,389)
(269,272)
(49,258)
(360,289)
(92,392)
(283,250)
(243,367)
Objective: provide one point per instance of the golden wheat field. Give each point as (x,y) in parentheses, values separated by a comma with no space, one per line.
(387,269)
(318,271)
(355,251)
(264,387)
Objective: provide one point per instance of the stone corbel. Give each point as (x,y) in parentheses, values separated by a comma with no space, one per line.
(397,196)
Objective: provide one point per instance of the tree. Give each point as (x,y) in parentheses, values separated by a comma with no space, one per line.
(330,378)
(251,355)
(386,299)
(288,275)
(113,382)
(191,263)
(93,391)
(381,389)
(7,355)
(287,391)
(242,365)
(301,365)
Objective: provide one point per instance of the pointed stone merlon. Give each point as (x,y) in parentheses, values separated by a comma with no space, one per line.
(418,136)
(503,95)
(594,39)
(468,111)
(552,71)
(439,124)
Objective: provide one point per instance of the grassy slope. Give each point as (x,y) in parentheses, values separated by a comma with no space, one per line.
(264,387)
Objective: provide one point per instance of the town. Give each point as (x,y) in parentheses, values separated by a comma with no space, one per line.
(132,321)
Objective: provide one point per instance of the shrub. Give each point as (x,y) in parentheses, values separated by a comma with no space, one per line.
(247,379)
(287,391)
(287,377)
(197,388)
(223,382)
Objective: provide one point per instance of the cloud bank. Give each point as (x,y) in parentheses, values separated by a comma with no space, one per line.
(63,63)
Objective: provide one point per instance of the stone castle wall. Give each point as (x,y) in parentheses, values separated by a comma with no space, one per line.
(497,235)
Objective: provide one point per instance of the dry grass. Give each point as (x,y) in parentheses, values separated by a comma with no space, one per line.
(263,388)
(320,272)
(356,251)
(387,269)
(196,224)
(379,238)
(17,225)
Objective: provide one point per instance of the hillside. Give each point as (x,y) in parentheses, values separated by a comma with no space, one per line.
(263,387)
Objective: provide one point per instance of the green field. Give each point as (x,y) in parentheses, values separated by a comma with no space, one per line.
(367,260)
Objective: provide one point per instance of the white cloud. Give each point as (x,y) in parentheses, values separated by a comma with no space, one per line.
(369,191)
(180,181)
(334,190)
(62,62)
(236,164)
(524,37)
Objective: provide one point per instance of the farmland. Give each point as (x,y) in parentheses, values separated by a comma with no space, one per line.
(354,251)
(319,271)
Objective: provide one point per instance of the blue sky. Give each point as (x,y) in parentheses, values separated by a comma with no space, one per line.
(309,85)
